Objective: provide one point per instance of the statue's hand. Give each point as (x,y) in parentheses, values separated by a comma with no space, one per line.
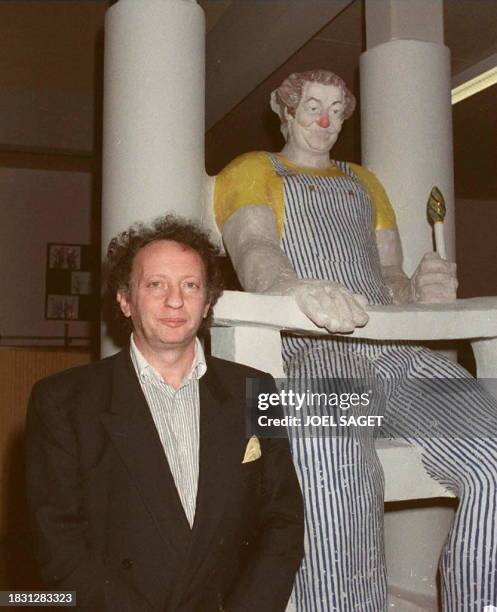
(327,304)
(434,280)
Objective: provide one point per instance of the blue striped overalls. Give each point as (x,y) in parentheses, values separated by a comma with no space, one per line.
(328,234)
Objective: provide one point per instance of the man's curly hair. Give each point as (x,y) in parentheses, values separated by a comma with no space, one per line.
(123,248)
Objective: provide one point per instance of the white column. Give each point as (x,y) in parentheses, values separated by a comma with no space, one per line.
(406,126)
(406,115)
(153,147)
(154,114)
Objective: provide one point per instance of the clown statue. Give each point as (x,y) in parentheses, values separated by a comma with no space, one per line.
(297,223)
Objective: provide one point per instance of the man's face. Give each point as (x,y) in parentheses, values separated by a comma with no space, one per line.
(168,296)
(318,118)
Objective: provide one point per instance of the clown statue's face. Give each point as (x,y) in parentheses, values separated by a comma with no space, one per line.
(314,129)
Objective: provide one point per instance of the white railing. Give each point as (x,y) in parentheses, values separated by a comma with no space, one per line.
(247,329)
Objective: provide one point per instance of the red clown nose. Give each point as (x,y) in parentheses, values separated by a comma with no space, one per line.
(324,121)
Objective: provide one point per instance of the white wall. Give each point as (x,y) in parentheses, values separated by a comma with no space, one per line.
(37,207)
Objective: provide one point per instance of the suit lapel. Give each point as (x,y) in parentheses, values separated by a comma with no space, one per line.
(219,455)
(135,436)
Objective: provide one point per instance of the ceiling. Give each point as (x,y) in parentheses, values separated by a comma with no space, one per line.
(470,25)
(470,33)
(54,47)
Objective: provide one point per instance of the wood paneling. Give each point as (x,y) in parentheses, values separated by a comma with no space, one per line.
(19,369)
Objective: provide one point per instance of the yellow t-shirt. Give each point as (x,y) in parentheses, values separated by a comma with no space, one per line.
(251,179)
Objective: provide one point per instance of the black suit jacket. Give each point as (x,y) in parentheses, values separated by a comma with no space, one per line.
(107,516)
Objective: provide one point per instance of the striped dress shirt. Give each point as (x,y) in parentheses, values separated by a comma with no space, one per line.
(176,414)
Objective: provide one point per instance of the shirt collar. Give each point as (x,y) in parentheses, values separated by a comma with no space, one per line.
(146,371)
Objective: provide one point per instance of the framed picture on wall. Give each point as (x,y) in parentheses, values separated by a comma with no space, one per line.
(64,256)
(70,281)
(62,307)
(81,283)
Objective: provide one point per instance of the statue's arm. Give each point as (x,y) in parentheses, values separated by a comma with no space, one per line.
(251,238)
(390,251)
(435,279)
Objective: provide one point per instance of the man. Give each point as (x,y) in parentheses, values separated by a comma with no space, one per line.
(144,490)
(297,223)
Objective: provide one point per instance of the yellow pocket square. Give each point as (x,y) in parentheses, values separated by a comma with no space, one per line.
(253,450)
